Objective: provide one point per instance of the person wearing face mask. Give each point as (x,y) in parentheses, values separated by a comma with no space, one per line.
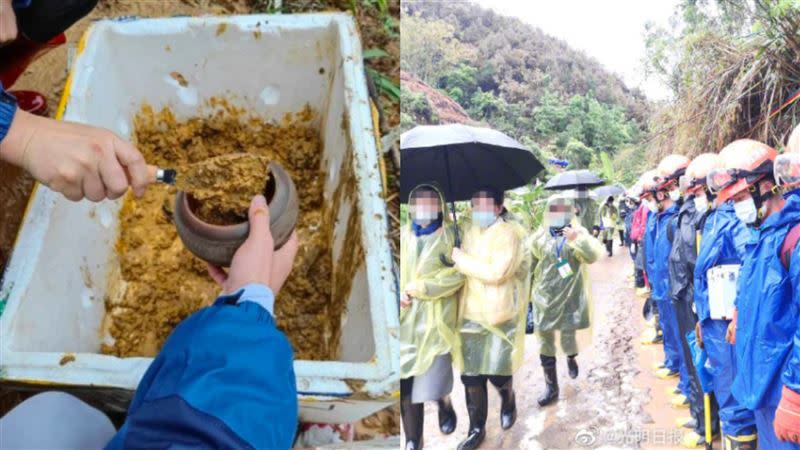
(492,310)
(639,233)
(428,314)
(765,318)
(681,266)
(562,250)
(610,217)
(722,239)
(787,415)
(667,196)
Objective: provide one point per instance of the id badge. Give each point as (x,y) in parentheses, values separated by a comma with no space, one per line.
(564,269)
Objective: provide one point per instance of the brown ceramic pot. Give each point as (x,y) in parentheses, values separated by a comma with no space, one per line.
(217,243)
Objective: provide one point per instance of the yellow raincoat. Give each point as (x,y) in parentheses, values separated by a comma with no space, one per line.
(428,328)
(610,217)
(494,301)
(562,302)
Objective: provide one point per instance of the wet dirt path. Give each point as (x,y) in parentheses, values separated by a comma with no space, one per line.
(616,401)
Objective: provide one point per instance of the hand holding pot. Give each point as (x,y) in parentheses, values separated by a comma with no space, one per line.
(256,261)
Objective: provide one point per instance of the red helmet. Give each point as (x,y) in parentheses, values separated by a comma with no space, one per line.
(695,178)
(745,162)
(670,169)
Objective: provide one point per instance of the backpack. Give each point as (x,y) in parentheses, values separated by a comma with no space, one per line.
(789,244)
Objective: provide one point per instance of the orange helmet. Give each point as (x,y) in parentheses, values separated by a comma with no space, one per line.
(670,169)
(787,165)
(745,162)
(648,183)
(695,178)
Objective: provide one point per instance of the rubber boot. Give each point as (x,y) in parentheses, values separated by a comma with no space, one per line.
(413,415)
(550,379)
(572,366)
(621,238)
(609,246)
(447,415)
(749,442)
(477,404)
(508,405)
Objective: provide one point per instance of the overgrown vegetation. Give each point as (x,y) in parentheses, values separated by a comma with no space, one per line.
(731,65)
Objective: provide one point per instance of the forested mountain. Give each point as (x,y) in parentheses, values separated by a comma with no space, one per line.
(515,78)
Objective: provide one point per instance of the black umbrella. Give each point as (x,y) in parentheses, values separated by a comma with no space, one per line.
(609,191)
(461,159)
(574,179)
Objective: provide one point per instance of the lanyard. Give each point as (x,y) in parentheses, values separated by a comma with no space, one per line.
(559,247)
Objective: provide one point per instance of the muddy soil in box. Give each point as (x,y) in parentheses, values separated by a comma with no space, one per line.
(160,282)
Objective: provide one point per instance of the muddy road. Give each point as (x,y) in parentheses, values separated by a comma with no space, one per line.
(616,401)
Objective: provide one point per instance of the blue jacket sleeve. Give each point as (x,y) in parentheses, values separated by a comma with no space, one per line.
(8,107)
(224,379)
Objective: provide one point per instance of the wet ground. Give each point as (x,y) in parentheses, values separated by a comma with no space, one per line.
(616,401)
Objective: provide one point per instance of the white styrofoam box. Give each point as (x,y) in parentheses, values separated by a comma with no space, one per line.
(722,281)
(271,65)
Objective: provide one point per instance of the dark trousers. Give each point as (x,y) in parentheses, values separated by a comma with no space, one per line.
(480,380)
(686,322)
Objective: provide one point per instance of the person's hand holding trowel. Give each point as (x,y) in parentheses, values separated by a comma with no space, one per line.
(79,161)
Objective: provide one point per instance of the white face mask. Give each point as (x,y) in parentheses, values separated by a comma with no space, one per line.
(651,205)
(675,195)
(483,218)
(701,204)
(425,215)
(746,211)
(559,220)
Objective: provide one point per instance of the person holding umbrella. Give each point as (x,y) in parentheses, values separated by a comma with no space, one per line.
(492,310)
(586,209)
(428,314)
(560,293)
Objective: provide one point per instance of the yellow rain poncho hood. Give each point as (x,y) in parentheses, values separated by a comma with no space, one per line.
(561,300)
(495,297)
(428,328)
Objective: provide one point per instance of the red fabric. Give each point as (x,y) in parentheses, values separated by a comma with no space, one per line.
(20,53)
(639,223)
(31,101)
(787,417)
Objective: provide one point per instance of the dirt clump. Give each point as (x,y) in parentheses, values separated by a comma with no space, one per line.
(223,186)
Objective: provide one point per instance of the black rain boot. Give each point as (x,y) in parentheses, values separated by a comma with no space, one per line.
(572,365)
(413,415)
(621,238)
(447,415)
(477,404)
(551,381)
(508,405)
(609,244)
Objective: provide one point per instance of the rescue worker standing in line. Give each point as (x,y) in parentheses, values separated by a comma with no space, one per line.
(681,276)
(766,317)
(428,314)
(491,311)
(787,416)
(722,243)
(668,198)
(560,294)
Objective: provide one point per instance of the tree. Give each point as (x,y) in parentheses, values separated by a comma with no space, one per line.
(430,48)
